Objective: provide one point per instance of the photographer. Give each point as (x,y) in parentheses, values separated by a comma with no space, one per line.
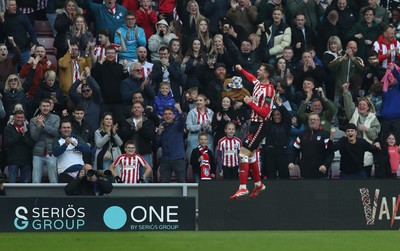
(89,182)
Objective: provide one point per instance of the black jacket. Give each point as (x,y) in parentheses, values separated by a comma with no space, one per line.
(143,138)
(19,147)
(45,91)
(175,77)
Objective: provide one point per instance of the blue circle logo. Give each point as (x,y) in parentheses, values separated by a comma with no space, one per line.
(114,217)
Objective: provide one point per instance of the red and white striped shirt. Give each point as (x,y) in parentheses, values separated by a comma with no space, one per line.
(263,98)
(100,51)
(130,167)
(230,151)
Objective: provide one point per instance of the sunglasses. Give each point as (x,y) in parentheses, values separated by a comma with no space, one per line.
(13,79)
(86,90)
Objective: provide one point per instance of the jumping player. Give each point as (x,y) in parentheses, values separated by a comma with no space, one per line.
(260,103)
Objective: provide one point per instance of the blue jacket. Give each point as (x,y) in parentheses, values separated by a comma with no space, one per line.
(104,19)
(161,102)
(132,44)
(391,100)
(171,140)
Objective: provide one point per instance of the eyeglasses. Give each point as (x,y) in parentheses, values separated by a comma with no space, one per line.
(13,80)
(86,90)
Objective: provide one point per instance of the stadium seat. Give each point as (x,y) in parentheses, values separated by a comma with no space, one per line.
(48,42)
(295,173)
(43,29)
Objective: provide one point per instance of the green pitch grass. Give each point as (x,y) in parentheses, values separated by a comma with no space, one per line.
(204,241)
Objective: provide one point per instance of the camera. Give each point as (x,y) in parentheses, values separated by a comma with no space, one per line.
(98,173)
(3,178)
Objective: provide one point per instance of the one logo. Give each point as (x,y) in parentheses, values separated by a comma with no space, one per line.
(114,217)
(21,221)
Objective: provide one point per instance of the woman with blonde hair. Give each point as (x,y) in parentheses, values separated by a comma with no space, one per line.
(14,92)
(333,51)
(219,54)
(80,32)
(203,34)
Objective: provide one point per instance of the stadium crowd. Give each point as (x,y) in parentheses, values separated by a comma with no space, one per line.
(150,89)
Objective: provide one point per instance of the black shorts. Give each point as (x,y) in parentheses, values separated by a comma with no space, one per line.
(256,134)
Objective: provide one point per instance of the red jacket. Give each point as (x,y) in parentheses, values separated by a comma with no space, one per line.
(147,22)
(40,70)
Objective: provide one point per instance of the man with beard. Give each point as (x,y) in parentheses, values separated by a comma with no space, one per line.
(85,92)
(167,70)
(70,67)
(216,86)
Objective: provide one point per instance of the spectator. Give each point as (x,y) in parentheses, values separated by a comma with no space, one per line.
(14,93)
(365,33)
(322,106)
(203,34)
(146,18)
(85,184)
(109,75)
(228,153)
(133,37)
(347,67)
(346,17)
(19,148)
(50,89)
(130,163)
(164,99)
(63,23)
(194,65)
(352,151)
(70,67)
(107,15)
(216,86)
(243,14)
(302,35)
(159,39)
(387,47)
(85,92)
(40,64)
(68,149)
(224,114)
(309,68)
(314,145)
(170,138)
(308,91)
(312,9)
(265,8)
(202,160)
(199,120)
(99,51)
(274,153)
(80,33)
(175,50)
(213,10)
(136,83)
(17,25)
(107,142)
(368,125)
(327,29)
(166,10)
(8,64)
(82,129)
(167,70)
(141,130)
(219,54)
(142,59)
(334,50)
(381,14)
(44,128)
